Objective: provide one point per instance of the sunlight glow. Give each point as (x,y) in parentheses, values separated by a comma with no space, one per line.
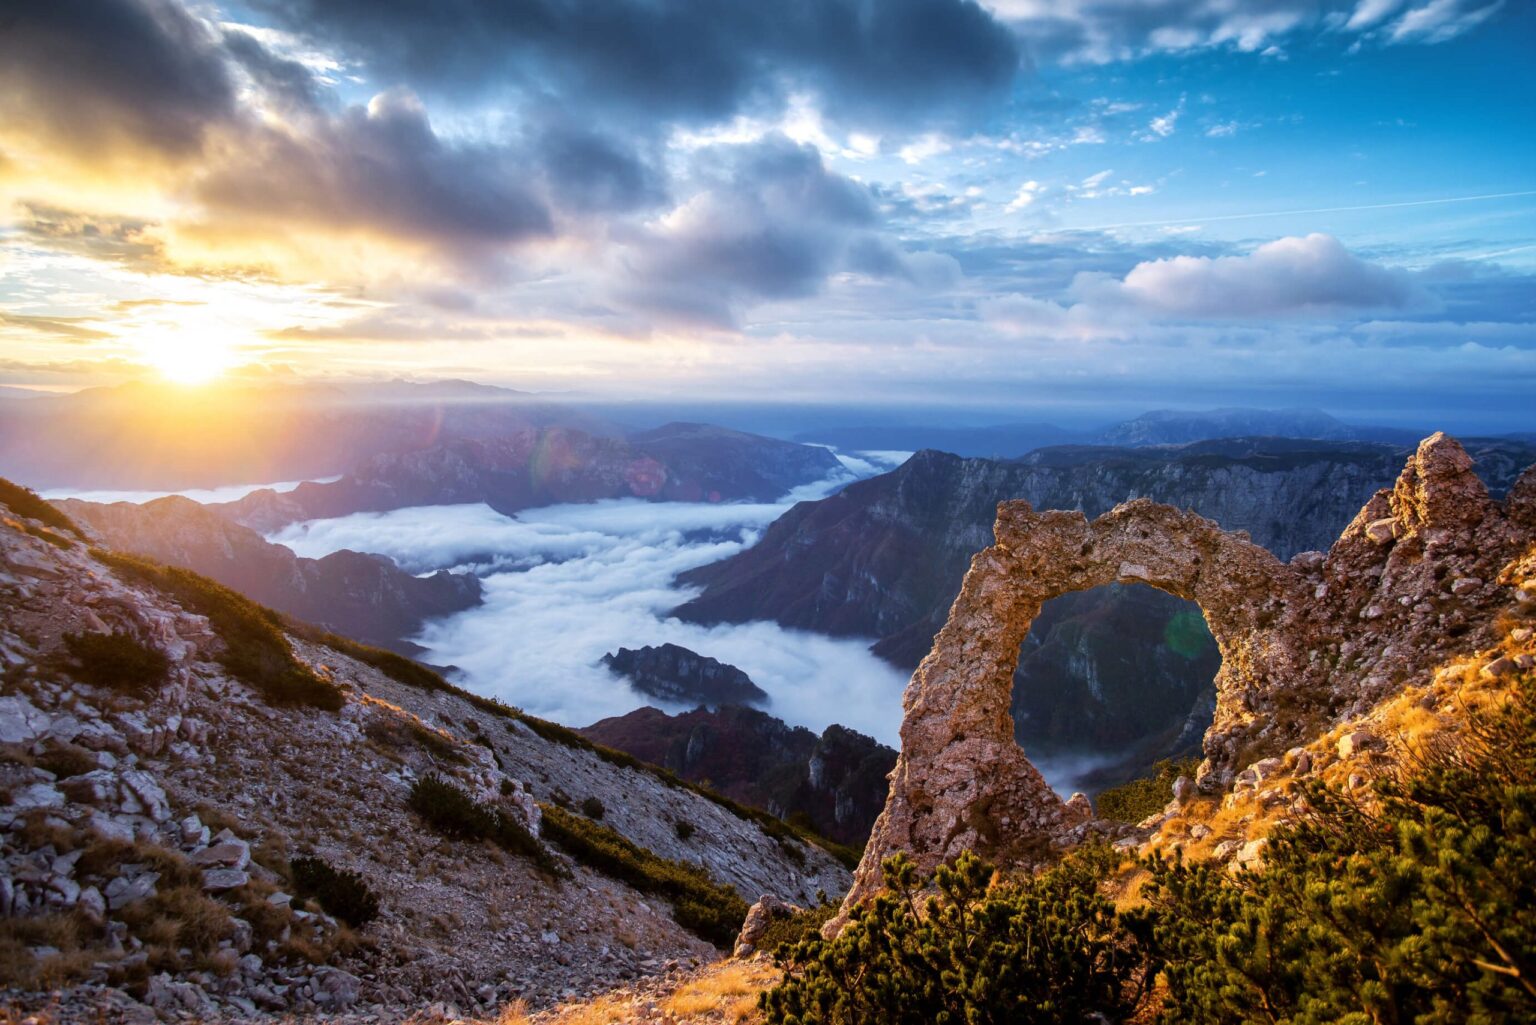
(188,356)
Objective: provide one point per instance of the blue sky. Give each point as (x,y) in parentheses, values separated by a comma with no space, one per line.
(1033,208)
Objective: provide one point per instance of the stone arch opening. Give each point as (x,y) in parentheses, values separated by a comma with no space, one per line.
(962,781)
(1110,680)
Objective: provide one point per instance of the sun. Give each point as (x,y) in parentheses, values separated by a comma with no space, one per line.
(188,357)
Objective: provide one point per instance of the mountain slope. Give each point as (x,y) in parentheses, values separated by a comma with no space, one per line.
(166,718)
(366,597)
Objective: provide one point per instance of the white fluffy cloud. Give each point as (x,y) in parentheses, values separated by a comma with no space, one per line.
(1313,274)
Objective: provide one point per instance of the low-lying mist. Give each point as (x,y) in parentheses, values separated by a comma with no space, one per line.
(564,585)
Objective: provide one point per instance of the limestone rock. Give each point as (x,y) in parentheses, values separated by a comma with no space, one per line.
(759,917)
(1304,644)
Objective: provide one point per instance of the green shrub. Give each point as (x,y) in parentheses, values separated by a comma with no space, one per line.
(699,904)
(342,893)
(1134,801)
(1046,948)
(786,930)
(455,814)
(28,504)
(592,808)
(255,650)
(1420,908)
(117,662)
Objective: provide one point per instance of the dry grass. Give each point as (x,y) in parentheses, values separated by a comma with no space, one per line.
(728,994)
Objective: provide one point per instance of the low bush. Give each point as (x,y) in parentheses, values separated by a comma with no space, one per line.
(1047,948)
(699,904)
(593,808)
(28,504)
(1419,906)
(683,828)
(455,814)
(342,893)
(1134,801)
(117,662)
(255,650)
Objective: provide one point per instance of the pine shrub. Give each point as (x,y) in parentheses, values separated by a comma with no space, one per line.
(1419,907)
(1046,948)
(1148,795)
(455,814)
(117,662)
(342,893)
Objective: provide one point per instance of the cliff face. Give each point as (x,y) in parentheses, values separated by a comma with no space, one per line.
(836,782)
(528,468)
(362,596)
(1424,570)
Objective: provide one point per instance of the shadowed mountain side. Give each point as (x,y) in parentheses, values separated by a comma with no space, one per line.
(671,672)
(528,468)
(834,783)
(358,595)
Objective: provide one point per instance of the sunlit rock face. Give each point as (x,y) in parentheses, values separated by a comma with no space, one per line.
(1304,644)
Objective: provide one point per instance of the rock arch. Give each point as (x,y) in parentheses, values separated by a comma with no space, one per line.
(1302,643)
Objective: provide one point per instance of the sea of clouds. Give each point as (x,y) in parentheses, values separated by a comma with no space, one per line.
(565,584)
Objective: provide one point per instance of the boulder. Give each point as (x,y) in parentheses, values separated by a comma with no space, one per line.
(217,880)
(335,988)
(759,917)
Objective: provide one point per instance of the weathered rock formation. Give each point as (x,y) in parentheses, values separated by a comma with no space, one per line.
(884,558)
(1304,644)
(671,672)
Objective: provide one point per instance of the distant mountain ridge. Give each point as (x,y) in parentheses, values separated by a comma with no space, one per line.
(1156,427)
(146,436)
(535,467)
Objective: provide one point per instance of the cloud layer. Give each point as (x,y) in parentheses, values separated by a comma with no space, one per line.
(565,585)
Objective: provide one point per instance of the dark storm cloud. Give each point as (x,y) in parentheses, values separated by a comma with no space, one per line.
(591,173)
(382,168)
(92,76)
(682,60)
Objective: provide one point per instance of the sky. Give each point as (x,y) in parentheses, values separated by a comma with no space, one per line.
(1032,207)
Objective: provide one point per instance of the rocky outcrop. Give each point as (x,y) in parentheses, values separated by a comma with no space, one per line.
(884,558)
(671,672)
(835,782)
(1305,643)
(358,595)
(528,468)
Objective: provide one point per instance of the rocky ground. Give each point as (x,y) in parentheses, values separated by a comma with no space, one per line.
(146,843)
